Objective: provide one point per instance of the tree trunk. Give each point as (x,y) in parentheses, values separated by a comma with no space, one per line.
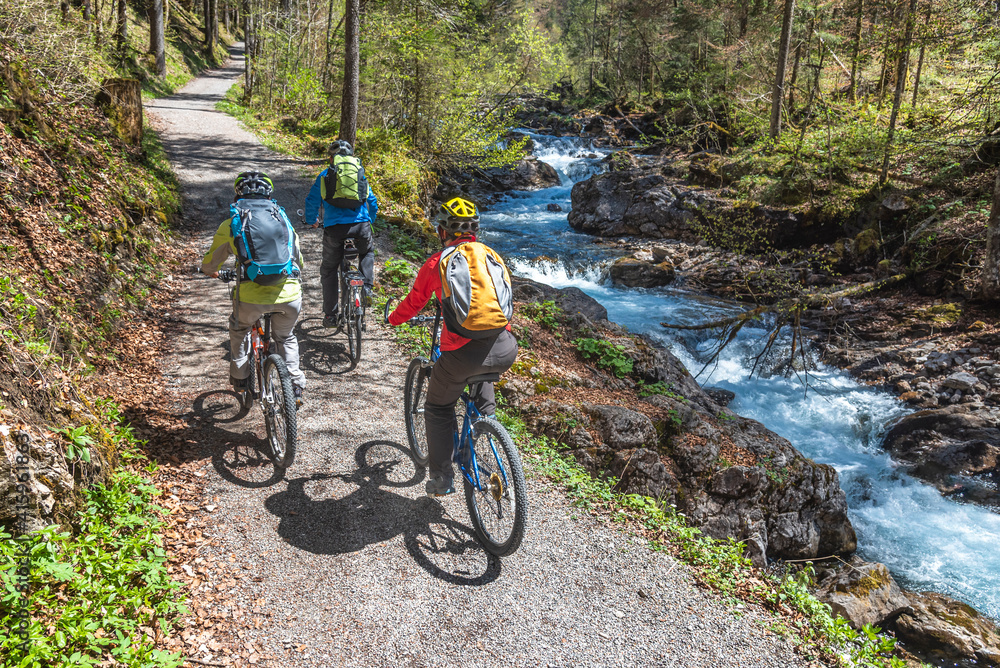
(991,264)
(157,46)
(249,43)
(920,60)
(901,63)
(593,47)
(121,29)
(794,78)
(852,91)
(211,26)
(352,59)
(778,93)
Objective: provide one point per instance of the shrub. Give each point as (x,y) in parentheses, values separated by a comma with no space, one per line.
(607,355)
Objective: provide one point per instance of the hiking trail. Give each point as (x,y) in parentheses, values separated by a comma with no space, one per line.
(344,561)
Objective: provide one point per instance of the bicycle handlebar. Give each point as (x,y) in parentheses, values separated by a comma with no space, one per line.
(415,320)
(225,275)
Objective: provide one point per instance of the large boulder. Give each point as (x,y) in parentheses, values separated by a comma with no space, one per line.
(947,632)
(952,448)
(635,203)
(864,593)
(572,301)
(634,273)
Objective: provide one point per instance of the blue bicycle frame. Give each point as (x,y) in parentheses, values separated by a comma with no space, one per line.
(465,433)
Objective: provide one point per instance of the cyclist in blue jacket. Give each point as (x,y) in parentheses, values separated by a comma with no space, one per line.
(340,223)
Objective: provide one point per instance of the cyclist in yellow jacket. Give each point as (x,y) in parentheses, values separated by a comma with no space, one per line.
(251,300)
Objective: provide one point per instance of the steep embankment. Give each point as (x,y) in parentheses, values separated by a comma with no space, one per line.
(343,561)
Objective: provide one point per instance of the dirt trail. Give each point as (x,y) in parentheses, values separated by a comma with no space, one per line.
(346,561)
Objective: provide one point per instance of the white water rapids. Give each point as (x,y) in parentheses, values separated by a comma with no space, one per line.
(927,541)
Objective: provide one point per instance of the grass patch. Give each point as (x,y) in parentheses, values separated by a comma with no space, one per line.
(99,591)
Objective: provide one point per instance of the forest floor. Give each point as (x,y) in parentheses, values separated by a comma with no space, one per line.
(342,560)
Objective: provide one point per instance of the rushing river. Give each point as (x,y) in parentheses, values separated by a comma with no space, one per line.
(927,541)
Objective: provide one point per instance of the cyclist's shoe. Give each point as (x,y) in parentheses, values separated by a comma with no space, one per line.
(439,487)
(239,384)
(298,397)
(366,297)
(331,321)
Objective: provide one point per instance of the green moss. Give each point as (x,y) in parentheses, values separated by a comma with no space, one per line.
(875,579)
(866,241)
(942,314)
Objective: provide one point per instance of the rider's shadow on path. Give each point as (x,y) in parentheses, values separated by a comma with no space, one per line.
(239,455)
(320,351)
(313,518)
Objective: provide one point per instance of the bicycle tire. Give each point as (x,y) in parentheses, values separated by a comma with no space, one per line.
(498,510)
(353,325)
(414,394)
(251,390)
(279,411)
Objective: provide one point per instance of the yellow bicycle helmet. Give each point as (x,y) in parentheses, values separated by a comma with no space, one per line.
(459,216)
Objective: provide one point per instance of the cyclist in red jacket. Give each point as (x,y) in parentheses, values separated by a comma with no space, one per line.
(461,358)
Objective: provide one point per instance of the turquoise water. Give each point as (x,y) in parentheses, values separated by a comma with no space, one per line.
(927,541)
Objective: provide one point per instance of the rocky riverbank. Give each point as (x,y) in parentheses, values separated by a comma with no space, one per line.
(679,224)
(662,435)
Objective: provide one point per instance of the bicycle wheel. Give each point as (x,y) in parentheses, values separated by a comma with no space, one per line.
(278,401)
(251,390)
(353,331)
(414,395)
(498,508)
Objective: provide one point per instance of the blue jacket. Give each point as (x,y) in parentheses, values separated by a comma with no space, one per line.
(333,215)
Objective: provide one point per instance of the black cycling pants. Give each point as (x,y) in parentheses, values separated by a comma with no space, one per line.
(333,253)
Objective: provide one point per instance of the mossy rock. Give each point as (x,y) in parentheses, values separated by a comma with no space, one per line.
(866,242)
(942,314)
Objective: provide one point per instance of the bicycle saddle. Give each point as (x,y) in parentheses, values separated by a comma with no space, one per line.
(350,250)
(483,378)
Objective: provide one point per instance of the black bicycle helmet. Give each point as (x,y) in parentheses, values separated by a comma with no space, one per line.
(458,216)
(340,147)
(253,184)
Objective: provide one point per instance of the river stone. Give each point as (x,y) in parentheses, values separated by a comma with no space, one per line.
(942,629)
(864,593)
(962,381)
(621,428)
(635,273)
(636,203)
(720,396)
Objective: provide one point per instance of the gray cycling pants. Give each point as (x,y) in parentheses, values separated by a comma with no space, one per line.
(446,384)
(283,337)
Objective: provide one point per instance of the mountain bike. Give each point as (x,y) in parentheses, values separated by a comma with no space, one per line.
(270,385)
(495,491)
(352,301)
(352,298)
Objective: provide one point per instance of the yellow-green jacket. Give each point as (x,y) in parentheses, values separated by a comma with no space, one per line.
(223,246)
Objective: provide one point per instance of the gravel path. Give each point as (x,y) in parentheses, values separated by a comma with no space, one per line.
(352,565)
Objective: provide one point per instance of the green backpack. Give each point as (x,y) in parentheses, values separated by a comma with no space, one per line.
(345,185)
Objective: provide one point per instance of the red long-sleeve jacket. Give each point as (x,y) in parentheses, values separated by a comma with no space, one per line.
(427,283)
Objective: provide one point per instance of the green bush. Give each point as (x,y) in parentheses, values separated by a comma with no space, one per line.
(397,274)
(607,355)
(547,314)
